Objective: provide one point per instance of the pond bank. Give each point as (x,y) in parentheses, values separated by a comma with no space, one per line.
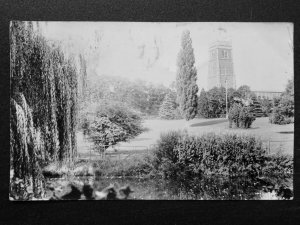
(206,188)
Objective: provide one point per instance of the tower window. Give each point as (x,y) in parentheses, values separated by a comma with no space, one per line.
(213,54)
(225,54)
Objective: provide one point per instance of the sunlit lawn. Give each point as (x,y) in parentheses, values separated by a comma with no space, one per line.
(261,128)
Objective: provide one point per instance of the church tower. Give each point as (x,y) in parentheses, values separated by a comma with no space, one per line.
(220,67)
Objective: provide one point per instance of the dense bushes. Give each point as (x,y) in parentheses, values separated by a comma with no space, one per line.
(112,123)
(277,117)
(240,116)
(166,155)
(283,107)
(212,104)
(282,113)
(180,155)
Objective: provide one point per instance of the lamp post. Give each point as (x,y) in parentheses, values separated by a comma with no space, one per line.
(226,98)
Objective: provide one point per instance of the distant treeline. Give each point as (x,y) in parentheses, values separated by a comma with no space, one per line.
(145,98)
(212,103)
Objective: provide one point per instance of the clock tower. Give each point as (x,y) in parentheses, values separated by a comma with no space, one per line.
(220,68)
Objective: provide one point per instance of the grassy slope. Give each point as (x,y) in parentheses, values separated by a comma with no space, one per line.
(260,128)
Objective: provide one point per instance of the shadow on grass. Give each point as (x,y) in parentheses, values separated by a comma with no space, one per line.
(207,123)
(286,132)
(142,139)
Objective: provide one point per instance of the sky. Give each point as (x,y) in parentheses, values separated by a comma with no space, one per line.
(262,52)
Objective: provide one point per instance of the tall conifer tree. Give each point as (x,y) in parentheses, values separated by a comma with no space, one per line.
(186,78)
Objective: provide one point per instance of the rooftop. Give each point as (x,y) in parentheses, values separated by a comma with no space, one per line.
(227,44)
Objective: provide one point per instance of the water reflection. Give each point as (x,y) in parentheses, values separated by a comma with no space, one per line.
(205,188)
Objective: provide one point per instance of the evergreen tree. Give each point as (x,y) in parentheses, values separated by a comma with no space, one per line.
(256,107)
(203,104)
(266,105)
(186,78)
(167,107)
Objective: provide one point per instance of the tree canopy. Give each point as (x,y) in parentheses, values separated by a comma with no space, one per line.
(186,78)
(43,103)
(112,122)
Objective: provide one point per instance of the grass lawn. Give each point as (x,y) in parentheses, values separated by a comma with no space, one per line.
(280,136)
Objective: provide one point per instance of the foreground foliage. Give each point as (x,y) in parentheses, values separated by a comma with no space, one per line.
(181,155)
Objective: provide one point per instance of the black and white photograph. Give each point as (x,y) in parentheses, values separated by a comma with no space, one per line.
(151,110)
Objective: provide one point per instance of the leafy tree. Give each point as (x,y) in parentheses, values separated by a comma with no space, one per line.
(143,97)
(43,104)
(245,92)
(241,116)
(167,108)
(287,106)
(287,102)
(186,78)
(217,102)
(113,122)
(283,107)
(289,90)
(214,101)
(203,104)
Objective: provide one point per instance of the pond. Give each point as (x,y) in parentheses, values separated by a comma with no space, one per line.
(206,188)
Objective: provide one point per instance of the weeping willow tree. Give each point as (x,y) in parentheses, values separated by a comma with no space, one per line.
(43,102)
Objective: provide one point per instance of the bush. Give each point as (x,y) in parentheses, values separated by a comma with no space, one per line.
(113,122)
(165,153)
(233,115)
(279,164)
(240,116)
(278,117)
(246,118)
(180,155)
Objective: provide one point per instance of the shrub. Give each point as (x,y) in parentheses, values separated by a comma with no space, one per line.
(279,164)
(278,117)
(179,154)
(246,118)
(165,154)
(112,123)
(233,115)
(240,116)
